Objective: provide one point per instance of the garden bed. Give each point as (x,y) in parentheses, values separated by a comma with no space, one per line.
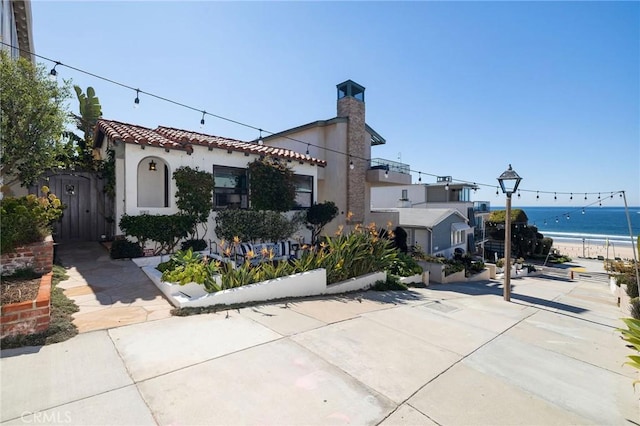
(28,317)
(310,283)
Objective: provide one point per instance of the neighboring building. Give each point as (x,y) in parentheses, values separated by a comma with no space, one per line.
(345,143)
(16,28)
(436,231)
(443,194)
(145,160)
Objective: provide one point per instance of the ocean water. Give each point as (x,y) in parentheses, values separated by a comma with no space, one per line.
(596,225)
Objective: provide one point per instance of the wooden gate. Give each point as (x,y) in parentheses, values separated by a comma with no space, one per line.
(88,212)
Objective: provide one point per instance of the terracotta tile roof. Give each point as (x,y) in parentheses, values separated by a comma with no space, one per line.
(130,133)
(170,138)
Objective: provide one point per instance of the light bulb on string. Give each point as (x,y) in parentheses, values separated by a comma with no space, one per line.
(446,187)
(611,195)
(585,195)
(537,195)
(53,74)
(555,197)
(598,195)
(545,221)
(556,220)
(419,176)
(386,173)
(260,141)
(136,101)
(571,197)
(351,165)
(202,119)
(518,193)
(307,149)
(583,210)
(568,217)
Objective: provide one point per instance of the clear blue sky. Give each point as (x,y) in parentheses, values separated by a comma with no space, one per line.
(456,88)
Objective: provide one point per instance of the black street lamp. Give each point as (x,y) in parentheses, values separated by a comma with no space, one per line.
(509,181)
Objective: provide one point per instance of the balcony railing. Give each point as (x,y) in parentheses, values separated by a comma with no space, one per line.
(392,166)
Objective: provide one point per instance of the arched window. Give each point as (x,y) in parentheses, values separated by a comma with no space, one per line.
(153,183)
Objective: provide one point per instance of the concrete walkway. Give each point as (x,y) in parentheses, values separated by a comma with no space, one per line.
(448,354)
(109,293)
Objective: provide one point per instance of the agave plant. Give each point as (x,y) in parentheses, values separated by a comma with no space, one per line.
(632,336)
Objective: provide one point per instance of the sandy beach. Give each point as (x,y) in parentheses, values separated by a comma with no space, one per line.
(593,250)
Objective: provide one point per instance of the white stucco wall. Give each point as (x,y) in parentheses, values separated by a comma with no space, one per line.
(135,197)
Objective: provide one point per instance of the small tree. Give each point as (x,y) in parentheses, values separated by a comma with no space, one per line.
(271,184)
(318,216)
(33,118)
(194,195)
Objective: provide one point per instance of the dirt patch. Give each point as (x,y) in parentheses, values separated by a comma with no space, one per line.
(14,290)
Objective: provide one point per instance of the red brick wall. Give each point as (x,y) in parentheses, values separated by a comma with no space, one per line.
(39,256)
(28,317)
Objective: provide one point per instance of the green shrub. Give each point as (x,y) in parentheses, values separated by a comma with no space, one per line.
(121,249)
(186,266)
(163,230)
(405,266)
(196,245)
(453,267)
(635,307)
(251,225)
(392,283)
(27,219)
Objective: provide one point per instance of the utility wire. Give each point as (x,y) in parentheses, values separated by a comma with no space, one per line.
(204,113)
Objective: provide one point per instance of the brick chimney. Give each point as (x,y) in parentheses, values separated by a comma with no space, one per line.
(351,105)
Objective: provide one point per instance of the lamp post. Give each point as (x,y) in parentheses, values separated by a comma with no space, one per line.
(509,181)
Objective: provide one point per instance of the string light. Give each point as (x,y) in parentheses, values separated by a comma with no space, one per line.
(386,173)
(260,141)
(136,101)
(518,193)
(53,74)
(555,197)
(446,186)
(307,149)
(583,210)
(202,119)
(571,198)
(351,165)
(419,176)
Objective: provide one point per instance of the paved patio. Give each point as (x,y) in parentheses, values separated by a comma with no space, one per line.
(452,354)
(110,293)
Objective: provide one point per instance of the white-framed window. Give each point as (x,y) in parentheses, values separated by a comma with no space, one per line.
(304,191)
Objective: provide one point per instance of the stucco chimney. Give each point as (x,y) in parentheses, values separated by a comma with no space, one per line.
(351,105)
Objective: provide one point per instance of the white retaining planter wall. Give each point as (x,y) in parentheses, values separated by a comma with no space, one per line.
(309,283)
(418,278)
(362,282)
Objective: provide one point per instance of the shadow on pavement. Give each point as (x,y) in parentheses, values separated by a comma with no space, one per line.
(111,281)
(495,288)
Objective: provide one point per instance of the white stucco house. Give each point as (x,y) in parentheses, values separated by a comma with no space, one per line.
(145,160)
